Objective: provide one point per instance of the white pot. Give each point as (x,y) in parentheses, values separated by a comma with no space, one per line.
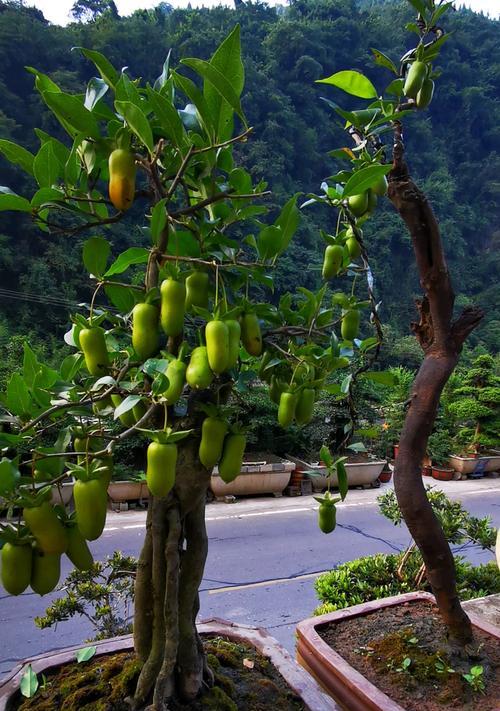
(254,479)
(466,465)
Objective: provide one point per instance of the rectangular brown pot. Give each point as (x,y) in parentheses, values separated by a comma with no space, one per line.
(346,685)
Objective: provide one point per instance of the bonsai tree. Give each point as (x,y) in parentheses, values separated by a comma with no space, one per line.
(175,323)
(354,194)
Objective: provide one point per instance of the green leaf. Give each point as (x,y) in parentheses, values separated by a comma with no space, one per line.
(168,117)
(384,61)
(126,405)
(83,655)
(227,59)
(31,366)
(11,201)
(190,89)
(18,397)
(158,220)
(71,112)
(96,89)
(163,78)
(96,251)
(346,384)
(357,446)
(342,480)
(396,87)
(46,166)
(137,122)
(289,221)
(352,83)
(123,297)
(29,683)
(133,255)
(219,82)
(17,155)
(326,456)
(9,474)
(364,179)
(384,377)
(269,242)
(104,66)
(70,366)
(419,5)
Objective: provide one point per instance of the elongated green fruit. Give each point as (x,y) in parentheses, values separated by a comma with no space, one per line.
(232,457)
(160,472)
(78,551)
(380,187)
(350,324)
(305,406)
(197,288)
(176,374)
(198,373)
(217,338)
(286,408)
(332,262)
(121,178)
(234,330)
(415,78)
(358,204)
(173,304)
(16,567)
(132,416)
(90,505)
(46,528)
(424,96)
(251,336)
(353,248)
(145,336)
(213,431)
(94,350)
(45,572)
(327,516)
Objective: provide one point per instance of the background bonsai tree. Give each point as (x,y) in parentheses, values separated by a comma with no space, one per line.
(440,335)
(175,323)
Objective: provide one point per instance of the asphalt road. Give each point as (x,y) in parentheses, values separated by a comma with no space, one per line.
(263,559)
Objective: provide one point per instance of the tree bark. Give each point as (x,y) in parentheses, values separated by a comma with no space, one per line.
(441,339)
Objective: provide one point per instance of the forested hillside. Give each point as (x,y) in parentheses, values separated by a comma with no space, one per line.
(454,151)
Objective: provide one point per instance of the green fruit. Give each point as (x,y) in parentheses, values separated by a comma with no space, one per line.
(380,187)
(286,408)
(107,466)
(100,405)
(145,336)
(46,528)
(358,204)
(276,387)
(232,457)
(121,178)
(424,96)
(90,505)
(198,373)
(45,572)
(353,248)
(305,406)
(213,432)
(16,567)
(234,330)
(217,338)
(372,201)
(176,374)
(131,417)
(173,305)
(197,286)
(332,262)
(415,78)
(350,324)
(94,349)
(327,515)
(78,551)
(251,336)
(160,472)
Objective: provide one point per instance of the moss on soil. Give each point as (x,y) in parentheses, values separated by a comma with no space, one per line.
(243,680)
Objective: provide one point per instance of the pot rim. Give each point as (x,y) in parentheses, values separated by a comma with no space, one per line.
(295,676)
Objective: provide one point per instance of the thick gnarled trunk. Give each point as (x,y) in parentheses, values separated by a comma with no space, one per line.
(169,574)
(441,339)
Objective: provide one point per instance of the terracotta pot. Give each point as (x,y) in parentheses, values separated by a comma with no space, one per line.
(396,450)
(297,679)
(442,473)
(346,685)
(427,470)
(385,475)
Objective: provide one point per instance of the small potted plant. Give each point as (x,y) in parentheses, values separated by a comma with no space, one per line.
(439,450)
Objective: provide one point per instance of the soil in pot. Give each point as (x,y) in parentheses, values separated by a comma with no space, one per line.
(244,680)
(378,644)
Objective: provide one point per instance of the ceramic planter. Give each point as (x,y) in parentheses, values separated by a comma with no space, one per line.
(121,491)
(466,465)
(358,474)
(255,478)
(62,494)
(346,685)
(297,679)
(442,473)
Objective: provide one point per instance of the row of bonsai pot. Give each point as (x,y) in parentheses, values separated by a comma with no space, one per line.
(458,467)
(323,679)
